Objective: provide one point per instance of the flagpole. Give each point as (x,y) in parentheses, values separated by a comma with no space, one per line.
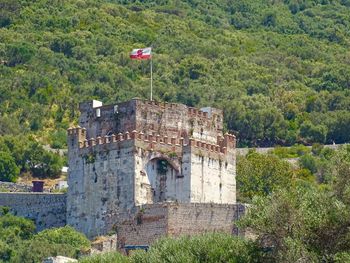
(151,80)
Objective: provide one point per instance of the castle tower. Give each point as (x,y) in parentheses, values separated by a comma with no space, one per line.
(142,152)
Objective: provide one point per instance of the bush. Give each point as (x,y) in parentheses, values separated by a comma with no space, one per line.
(308,162)
(19,243)
(259,174)
(317,148)
(19,53)
(59,139)
(207,248)
(106,258)
(64,241)
(9,171)
(21,227)
(203,248)
(41,163)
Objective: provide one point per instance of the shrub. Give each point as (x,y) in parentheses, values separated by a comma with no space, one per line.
(308,162)
(19,53)
(203,248)
(9,171)
(64,241)
(106,258)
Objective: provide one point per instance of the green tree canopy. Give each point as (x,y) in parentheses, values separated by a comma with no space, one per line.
(9,171)
(279,69)
(303,224)
(259,174)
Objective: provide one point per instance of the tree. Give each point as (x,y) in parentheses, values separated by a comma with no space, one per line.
(19,53)
(9,171)
(260,174)
(9,9)
(64,241)
(338,170)
(313,133)
(307,161)
(40,162)
(303,224)
(19,243)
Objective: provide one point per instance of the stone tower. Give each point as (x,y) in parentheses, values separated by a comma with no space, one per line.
(141,153)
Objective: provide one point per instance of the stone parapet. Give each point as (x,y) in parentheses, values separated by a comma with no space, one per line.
(155,142)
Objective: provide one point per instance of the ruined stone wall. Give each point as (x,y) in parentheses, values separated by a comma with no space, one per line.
(150,117)
(101,182)
(191,219)
(146,224)
(108,119)
(47,210)
(143,225)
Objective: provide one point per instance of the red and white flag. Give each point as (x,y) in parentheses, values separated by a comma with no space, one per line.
(143,53)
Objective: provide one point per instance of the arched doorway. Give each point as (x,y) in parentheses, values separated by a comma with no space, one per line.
(160,172)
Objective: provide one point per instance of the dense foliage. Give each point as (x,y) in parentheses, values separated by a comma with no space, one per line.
(19,243)
(281,168)
(260,174)
(208,248)
(280,69)
(8,168)
(303,225)
(308,219)
(25,154)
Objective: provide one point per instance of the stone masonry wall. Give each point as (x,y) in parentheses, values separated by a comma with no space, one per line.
(191,219)
(143,225)
(47,210)
(101,182)
(165,119)
(14,187)
(148,223)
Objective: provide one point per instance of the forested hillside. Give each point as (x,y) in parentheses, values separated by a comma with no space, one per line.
(279,69)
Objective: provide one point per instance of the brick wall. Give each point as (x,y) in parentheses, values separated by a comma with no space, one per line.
(47,210)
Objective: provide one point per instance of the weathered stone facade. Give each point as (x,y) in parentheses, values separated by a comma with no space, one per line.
(141,153)
(144,225)
(46,210)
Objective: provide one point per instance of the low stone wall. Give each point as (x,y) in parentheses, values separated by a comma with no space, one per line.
(148,223)
(14,187)
(46,210)
(197,218)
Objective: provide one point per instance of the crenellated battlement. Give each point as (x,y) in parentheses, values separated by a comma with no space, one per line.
(224,143)
(76,130)
(171,119)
